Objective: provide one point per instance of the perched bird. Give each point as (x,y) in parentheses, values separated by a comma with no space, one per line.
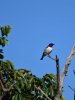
(47,50)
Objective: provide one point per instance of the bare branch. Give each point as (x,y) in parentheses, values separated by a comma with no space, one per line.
(58,74)
(71,88)
(52,58)
(38,88)
(68,62)
(4,89)
(57,96)
(60,80)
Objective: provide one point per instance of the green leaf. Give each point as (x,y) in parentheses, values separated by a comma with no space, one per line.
(1,56)
(3,41)
(17,88)
(7,30)
(13,98)
(20,97)
(22,83)
(3,31)
(16,96)
(10,64)
(1,50)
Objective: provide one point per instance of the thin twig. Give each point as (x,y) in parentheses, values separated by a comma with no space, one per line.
(71,88)
(74,72)
(52,58)
(38,88)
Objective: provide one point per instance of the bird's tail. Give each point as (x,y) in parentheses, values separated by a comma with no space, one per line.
(42,57)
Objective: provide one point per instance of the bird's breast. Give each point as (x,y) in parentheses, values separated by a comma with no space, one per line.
(48,50)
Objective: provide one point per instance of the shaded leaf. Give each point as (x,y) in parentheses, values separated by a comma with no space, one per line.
(1,56)
(17,88)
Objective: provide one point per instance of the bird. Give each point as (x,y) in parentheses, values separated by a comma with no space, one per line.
(47,50)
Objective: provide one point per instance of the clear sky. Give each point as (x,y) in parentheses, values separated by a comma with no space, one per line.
(35,24)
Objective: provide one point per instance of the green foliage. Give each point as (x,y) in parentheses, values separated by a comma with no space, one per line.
(24,84)
(3,41)
(5,30)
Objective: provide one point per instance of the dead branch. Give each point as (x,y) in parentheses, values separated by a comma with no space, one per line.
(60,80)
(58,74)
(68,62)
(57,96)
(51,58)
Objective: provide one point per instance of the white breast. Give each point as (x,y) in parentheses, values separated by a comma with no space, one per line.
(48,50)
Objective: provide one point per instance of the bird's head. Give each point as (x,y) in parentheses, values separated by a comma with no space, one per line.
(51,45)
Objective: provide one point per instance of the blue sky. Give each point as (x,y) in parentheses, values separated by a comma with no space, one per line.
(36,23)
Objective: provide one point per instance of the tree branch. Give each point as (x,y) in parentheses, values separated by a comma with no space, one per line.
(57,96)
(72,90)
(58,74)
(52,58)
(4,89)
(38,88)
(60,80)
(68,62)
